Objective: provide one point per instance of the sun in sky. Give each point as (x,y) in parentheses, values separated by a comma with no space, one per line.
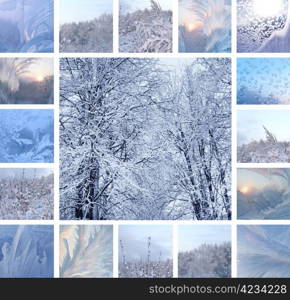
(268,8)
(245,189)
(39,78)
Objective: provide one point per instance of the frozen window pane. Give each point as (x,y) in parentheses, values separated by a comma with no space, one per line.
(27,136)
(26,26)
(263,26)
(204,25)
(263,81)
(26,251)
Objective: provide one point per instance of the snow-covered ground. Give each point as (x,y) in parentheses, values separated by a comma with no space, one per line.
(25,197)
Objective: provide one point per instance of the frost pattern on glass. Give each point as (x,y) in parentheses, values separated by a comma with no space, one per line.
(86,251)
(26,26)
(26,136)
(264,251)
(258,24)
(263,194)
(263,81)
(204,25)
(26,251)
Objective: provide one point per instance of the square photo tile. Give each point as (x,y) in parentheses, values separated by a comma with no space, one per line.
(204,26)
(263,251)
(263,194)
(145,251)
(86,26)
(263,26)
(26,251)
(156,146)
(27,194)
(86,251)
(263,136)
(204,251)
(27,136)
(26,26)
(26,81)
(263,81)
(145,26)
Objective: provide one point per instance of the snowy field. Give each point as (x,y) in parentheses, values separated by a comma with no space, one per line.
(139,142)
(146,29)
(26,194)
(263,136)
(26,251)
(145,251)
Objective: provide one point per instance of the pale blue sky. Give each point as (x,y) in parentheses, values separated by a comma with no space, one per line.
(250,125)
(28,172)
(130,6)
(192,236)
(135,237)
(83,10)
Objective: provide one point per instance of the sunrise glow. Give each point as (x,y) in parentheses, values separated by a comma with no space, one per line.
(268,8)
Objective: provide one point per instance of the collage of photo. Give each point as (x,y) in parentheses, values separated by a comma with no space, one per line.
(144,139)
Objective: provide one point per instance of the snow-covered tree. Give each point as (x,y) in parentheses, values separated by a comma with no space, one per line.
(140,143)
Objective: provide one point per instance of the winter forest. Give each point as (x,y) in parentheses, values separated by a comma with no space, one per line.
(26,194)
(26,251)
(145,26)
(145,139)
(86,26)
(145,251)
(26,81)
(204,251)
(86,251)
(263,136)
(263,26)
(27,136)
(204,26)
(263,251)
(26,26)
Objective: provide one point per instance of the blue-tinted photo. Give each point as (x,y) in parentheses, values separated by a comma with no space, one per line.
(264,251)
(26,251)
(263,81)
(27,136)
(26,26)
(263,26)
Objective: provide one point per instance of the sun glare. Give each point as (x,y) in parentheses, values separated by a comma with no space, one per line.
(39,78)
(245,189)
(268,8)
(190,27)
